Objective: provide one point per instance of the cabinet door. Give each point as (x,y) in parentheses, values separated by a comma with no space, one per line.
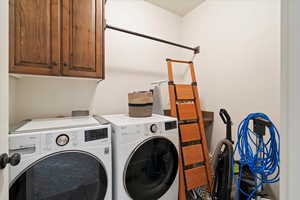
(34,37)
(83,38)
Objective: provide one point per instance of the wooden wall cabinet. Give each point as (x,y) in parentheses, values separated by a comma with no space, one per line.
(57,37)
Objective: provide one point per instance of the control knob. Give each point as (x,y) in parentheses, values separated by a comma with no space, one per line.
(154,128)
(62,140)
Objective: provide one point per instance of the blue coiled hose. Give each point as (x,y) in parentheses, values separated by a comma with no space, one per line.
(260,154)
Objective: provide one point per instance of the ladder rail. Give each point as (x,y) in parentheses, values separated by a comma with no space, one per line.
(203,140)
(201,123)
(182,181)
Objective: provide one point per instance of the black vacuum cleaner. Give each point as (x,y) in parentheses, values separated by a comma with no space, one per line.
(222,163)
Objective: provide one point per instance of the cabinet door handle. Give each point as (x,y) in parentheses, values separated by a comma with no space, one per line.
(55,63)
(66,64)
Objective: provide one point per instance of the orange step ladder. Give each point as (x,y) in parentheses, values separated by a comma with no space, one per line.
(194,164)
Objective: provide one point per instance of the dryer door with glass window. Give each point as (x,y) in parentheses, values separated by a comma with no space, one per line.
(151,169)
(62,176)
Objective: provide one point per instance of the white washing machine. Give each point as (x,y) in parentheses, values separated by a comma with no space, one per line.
(145,157)
(62,159)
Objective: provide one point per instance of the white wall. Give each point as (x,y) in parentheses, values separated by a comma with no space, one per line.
(239,64)
(290,93)
(132,64)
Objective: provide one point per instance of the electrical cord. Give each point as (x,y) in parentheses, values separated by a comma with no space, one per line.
(262,157)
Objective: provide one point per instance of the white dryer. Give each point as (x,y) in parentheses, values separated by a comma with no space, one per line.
(62,159)
(145,157)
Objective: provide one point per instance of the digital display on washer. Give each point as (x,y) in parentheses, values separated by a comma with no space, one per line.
(171,125)
(96,134)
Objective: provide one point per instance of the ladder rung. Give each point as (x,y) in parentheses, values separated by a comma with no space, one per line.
(194,142)
(179,61)
(189,132)
(195,177)
(184,92)
(187,111)
(195,165)
(192,154)
(188,121)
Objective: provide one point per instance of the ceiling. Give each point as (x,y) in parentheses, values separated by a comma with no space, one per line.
(179,7)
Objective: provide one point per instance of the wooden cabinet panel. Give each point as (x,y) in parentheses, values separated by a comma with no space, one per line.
(57,37)
(34,37)
(83,38)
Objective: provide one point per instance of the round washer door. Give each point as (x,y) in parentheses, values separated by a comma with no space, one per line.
(151,169)
(62,176)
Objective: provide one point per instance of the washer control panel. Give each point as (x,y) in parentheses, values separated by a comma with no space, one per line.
(70,139)
(59,140)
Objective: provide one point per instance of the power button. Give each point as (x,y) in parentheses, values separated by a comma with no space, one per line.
(154,128)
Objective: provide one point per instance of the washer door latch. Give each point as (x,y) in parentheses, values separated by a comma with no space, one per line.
(13,160)
(106,150)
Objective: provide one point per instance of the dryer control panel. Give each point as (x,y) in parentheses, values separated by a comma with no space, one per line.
(135,132)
